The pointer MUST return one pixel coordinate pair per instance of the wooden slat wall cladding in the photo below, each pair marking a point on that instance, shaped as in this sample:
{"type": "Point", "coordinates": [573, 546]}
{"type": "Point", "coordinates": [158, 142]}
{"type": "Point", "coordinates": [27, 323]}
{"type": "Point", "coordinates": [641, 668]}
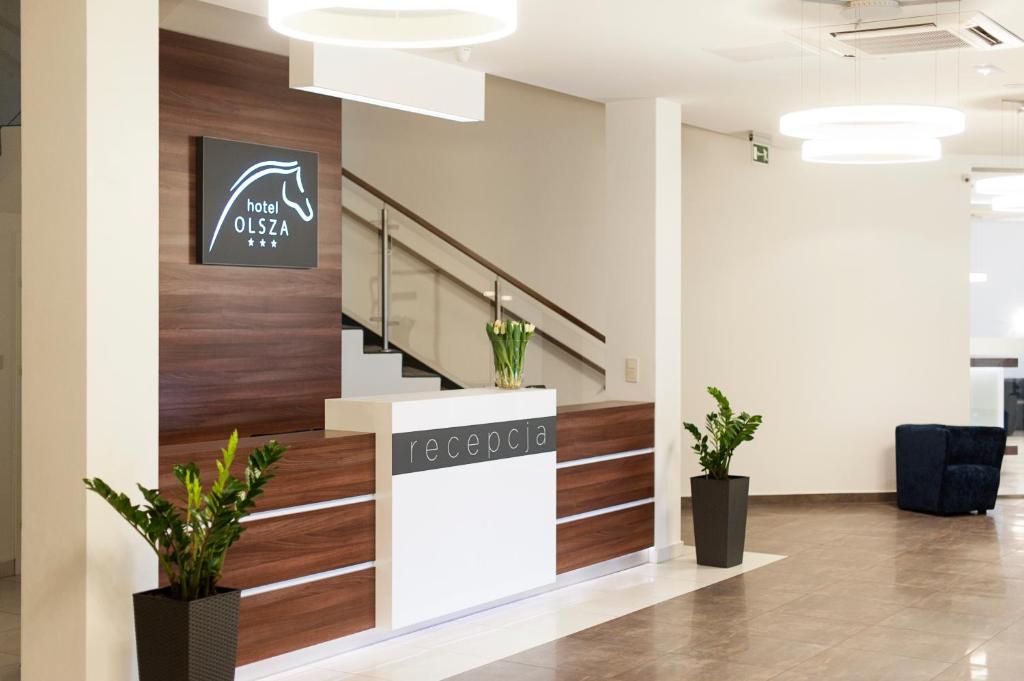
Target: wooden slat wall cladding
{"type": "Point", "coordinates": [603, 537]}
{"type": "Point", "coordinates": [278, 549]}
{"type": "Point", "coordinates": [593, 430]}
{"type": "Point", "coordinates": [590, 487]}
{"type": "Point", "coordinates": [588, 430]}
{"type": "Point", "coordinates": [318, 466]}
{"type": "Point", "coordinates": [252, 348]}
{"type": "Point", "coordinates": [281, 621]}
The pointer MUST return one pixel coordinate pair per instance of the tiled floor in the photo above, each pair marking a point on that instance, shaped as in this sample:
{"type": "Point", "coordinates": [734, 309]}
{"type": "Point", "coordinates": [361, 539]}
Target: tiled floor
{"type": "Point", "coordinates": [868, 593]}
{"type": "Point", "coordinates": [484, 638]}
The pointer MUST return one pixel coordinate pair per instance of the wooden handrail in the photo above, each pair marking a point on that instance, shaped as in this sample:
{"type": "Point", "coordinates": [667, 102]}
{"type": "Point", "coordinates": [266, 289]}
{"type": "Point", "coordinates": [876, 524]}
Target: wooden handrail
{"type": "Point", "coordinates": [471, 254]}
{"type": "Point", "coordinates": [578, 356]}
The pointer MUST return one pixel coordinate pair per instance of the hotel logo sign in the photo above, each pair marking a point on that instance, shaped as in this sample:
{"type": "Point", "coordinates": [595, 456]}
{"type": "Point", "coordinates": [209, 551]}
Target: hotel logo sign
{"type": "Point", "coordinates": [258, 205]}
{"type": "Point", "coordinates": [427, 450]}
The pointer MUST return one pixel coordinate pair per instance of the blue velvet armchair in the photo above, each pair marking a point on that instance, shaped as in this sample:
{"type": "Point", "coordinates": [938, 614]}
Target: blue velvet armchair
{"type": "Point", "coordinates": [948, 469]}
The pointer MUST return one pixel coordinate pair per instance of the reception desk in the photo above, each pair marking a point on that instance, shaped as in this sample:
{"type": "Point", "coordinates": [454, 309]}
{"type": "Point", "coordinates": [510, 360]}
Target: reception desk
{"type": "Point", "coordinates": [465, 497]}
{"type": "Point", "coordinates": [410, 510]}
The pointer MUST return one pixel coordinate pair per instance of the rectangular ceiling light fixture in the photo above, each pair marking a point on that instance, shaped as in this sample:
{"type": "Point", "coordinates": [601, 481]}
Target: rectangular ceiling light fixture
{"type": "Point", "coordinates": [389, 78]}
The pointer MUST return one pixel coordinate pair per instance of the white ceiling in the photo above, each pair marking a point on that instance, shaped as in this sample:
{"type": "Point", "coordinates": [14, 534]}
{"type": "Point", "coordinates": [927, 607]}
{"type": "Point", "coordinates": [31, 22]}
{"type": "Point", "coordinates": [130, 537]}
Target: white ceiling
{"type": "Point", "coordinates": [619, 49]}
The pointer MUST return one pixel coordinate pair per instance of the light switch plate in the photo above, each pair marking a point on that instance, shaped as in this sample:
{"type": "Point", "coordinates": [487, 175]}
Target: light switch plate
{"type": "Point", "coordinates": [632, 370]}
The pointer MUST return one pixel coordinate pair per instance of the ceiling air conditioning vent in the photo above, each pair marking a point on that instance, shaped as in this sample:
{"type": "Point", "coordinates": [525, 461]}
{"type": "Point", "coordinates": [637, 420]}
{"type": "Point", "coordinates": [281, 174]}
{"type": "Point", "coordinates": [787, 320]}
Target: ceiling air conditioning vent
{"type": "Point", "coordinates": [933, 33]}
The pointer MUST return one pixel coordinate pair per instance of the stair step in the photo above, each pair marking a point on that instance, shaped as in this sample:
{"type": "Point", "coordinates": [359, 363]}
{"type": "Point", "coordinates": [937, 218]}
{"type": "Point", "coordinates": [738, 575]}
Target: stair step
{"type": "Point", "coordinates": [372, 349]}
{"type": "Point", "coordinates": [413, 372]}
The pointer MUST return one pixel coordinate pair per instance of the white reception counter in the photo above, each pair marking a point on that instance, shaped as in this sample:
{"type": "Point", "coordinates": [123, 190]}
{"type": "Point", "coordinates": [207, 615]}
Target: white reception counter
{"type": "Point", "coordinates": [465, 497]}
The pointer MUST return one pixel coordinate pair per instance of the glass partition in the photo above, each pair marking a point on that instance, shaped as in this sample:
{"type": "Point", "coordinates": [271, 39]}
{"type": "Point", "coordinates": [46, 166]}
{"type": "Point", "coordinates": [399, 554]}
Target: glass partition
{"type": "Point", "coordinates": [429, 296]}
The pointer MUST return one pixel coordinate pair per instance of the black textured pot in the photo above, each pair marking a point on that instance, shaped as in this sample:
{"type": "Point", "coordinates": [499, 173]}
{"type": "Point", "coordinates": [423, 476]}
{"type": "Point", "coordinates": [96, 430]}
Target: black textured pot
{"type": "Point", "coordinates": [720, 519]}
{"type": "Point", "coordinates": [186, 640]}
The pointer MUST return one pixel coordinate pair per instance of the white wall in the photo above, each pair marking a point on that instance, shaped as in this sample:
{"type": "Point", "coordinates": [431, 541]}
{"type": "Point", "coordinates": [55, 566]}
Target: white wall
{"type": "Point", "coordinates": [832, 300]}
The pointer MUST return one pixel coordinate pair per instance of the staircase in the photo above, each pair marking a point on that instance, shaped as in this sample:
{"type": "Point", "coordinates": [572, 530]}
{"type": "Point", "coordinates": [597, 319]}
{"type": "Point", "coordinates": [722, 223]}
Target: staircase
{"type": "Point", "coordinates": [411, 287]}
{"type": "Point", "coordinates": [368, 369]}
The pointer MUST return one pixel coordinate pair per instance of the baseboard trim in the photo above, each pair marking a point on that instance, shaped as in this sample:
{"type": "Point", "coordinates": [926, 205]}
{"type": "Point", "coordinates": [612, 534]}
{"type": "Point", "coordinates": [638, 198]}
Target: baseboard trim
{"type": "Point", "coordinates": [832, 497]}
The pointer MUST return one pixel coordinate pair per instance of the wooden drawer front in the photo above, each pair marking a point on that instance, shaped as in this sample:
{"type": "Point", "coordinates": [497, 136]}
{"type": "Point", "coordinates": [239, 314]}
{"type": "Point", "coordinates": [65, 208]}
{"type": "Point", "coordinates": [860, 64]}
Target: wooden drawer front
{"type": "Point", "coordinates": [321, 466]}
{"type": "Point", "coordinates": [593, 486]}
{"type": "Point", "coordinates": [281, 621]}
{"type": "Point", "coordinates": [583, 432]}
{"type": "Point", "coordinates": [603, 537]}
{"type": "Point", "coordinates": [291, 546]}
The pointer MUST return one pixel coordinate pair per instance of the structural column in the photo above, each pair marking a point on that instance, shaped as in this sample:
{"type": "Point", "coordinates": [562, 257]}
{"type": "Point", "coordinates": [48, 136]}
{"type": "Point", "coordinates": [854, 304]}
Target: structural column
{"type": "Point", "coordinates": [644, 235]}
{"type": "Point", "coordinates": [90, 326]}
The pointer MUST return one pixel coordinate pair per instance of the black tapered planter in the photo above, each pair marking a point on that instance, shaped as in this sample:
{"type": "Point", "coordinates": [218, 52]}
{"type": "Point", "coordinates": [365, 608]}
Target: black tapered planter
{"type": "Point", "coordinates": [186, 640]}
{"type": "Point", "coordinates": [720, 519]}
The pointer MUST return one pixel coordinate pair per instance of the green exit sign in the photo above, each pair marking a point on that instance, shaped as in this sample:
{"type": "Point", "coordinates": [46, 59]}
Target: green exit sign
{"type": "Point", "coordinates": [762, 153]}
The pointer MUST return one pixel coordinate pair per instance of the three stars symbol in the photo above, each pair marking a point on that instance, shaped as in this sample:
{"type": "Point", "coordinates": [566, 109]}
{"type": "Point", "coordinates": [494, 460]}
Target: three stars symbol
{"type": "Point", "coordinates": [263, 243]}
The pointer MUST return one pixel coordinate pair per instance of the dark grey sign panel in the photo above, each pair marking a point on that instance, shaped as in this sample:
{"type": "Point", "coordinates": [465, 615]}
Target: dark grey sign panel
{"type": "Point", "coordinates": [427, 450]}
{"type": "Point", "coordinates": [257, 205]}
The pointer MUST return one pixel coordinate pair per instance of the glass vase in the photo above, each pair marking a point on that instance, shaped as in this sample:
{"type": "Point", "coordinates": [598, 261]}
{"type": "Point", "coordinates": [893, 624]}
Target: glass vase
{"type": "Point", "coordinates": [508, 379]}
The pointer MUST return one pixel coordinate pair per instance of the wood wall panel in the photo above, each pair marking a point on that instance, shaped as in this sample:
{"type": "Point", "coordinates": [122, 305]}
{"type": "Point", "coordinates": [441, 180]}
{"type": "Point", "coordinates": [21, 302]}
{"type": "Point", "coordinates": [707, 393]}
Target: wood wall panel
{"type": "Point", "coordinates": [278, 549]}
{"type": "Point", "coordinates": [318, 466]}
{"type": "Point", "coordinates": [588, 430]}
{"type": "Point", "coordinates": [603, 537]}
{"type": "Point", "coordinates": [593, 486]}
{"type": "Point", "coordinates": [280, 621]}
{"type": "Point", "coordinates": [257, 349]}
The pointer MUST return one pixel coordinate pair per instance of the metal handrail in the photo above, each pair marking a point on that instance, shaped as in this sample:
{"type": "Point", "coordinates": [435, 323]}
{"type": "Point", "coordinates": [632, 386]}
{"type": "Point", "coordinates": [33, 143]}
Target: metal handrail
{"type": "Point", "coordinates": [473, 255]}
{"type": "Point", "coordinates": [395, 241]}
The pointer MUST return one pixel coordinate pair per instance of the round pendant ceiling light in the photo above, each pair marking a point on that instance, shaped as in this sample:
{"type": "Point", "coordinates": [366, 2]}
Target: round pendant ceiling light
{"type": "Point", "coordinates": [395, 24]}
{"type": "Point", "coordinates": [872, 151]}
{"type": "Point", "coordinates": [874, 121]}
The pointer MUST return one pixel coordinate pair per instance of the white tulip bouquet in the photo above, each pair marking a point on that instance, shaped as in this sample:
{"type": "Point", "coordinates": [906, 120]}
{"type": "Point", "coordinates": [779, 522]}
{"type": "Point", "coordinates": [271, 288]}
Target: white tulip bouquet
{"type": "Point", "coordinates": [509, 340]}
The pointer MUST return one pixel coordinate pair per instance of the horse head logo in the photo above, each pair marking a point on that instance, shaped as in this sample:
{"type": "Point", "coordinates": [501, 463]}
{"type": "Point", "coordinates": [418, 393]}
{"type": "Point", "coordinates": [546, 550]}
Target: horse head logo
{"type": "Point", "coordinates": [292, 173]}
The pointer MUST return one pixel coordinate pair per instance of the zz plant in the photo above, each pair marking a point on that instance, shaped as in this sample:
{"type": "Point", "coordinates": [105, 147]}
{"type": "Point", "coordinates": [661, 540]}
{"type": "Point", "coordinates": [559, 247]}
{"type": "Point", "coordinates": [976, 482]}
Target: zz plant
{"type": "Point", "coordinates": [192, 542]}
{"type": "Point", "coordinates": [726, 431]}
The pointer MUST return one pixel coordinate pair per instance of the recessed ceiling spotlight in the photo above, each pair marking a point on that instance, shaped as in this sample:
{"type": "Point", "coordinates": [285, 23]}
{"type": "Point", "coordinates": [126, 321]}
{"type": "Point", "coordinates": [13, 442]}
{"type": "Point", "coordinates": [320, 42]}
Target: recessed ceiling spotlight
{"type": "Point", "coordinates": [978, 277]}
{"type": "Point", "coordinates": [987, 69]}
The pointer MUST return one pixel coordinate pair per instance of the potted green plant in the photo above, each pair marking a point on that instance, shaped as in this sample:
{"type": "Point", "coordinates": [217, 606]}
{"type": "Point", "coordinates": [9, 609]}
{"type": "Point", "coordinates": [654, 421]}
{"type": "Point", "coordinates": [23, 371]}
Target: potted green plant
{"type": "Point", "coordinates": [508, 342]}
{"type": "Point", "coordinates": [188, 631]}
{"type": "Point", "coordinates": [719, 499]}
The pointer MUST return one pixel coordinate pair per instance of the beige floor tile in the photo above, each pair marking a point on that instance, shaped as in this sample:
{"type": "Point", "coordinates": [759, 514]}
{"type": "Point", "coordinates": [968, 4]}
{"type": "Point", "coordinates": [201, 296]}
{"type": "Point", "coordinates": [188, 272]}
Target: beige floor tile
{"type": "Point", "coordinates": [602, 660]}
{"type": "Point", "coordinates": [511, 671]}
{"type": "Point", "coordinates": [972, 604]}
{"type": "Point", "coordinates": [964, 671]}
{"type": "Point", "coordinates": [918, 644]}
{"type": "Point", "coordinates": [1001, 655]}
{"type": "Point", "coordinates": [878, 591]}
{"type": "Point", "coordinates": [844, 608]}
{"type": "Point", "coordinates": [844, 664]}
{"type": "Point", "coordinates": [686, 668]}
{"type": "Point", "coordinates": [756, 650]}
{"type": "Point", "coordinates": [803, 628]}
{"type": "Point", "coordinates": [950, 623]}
